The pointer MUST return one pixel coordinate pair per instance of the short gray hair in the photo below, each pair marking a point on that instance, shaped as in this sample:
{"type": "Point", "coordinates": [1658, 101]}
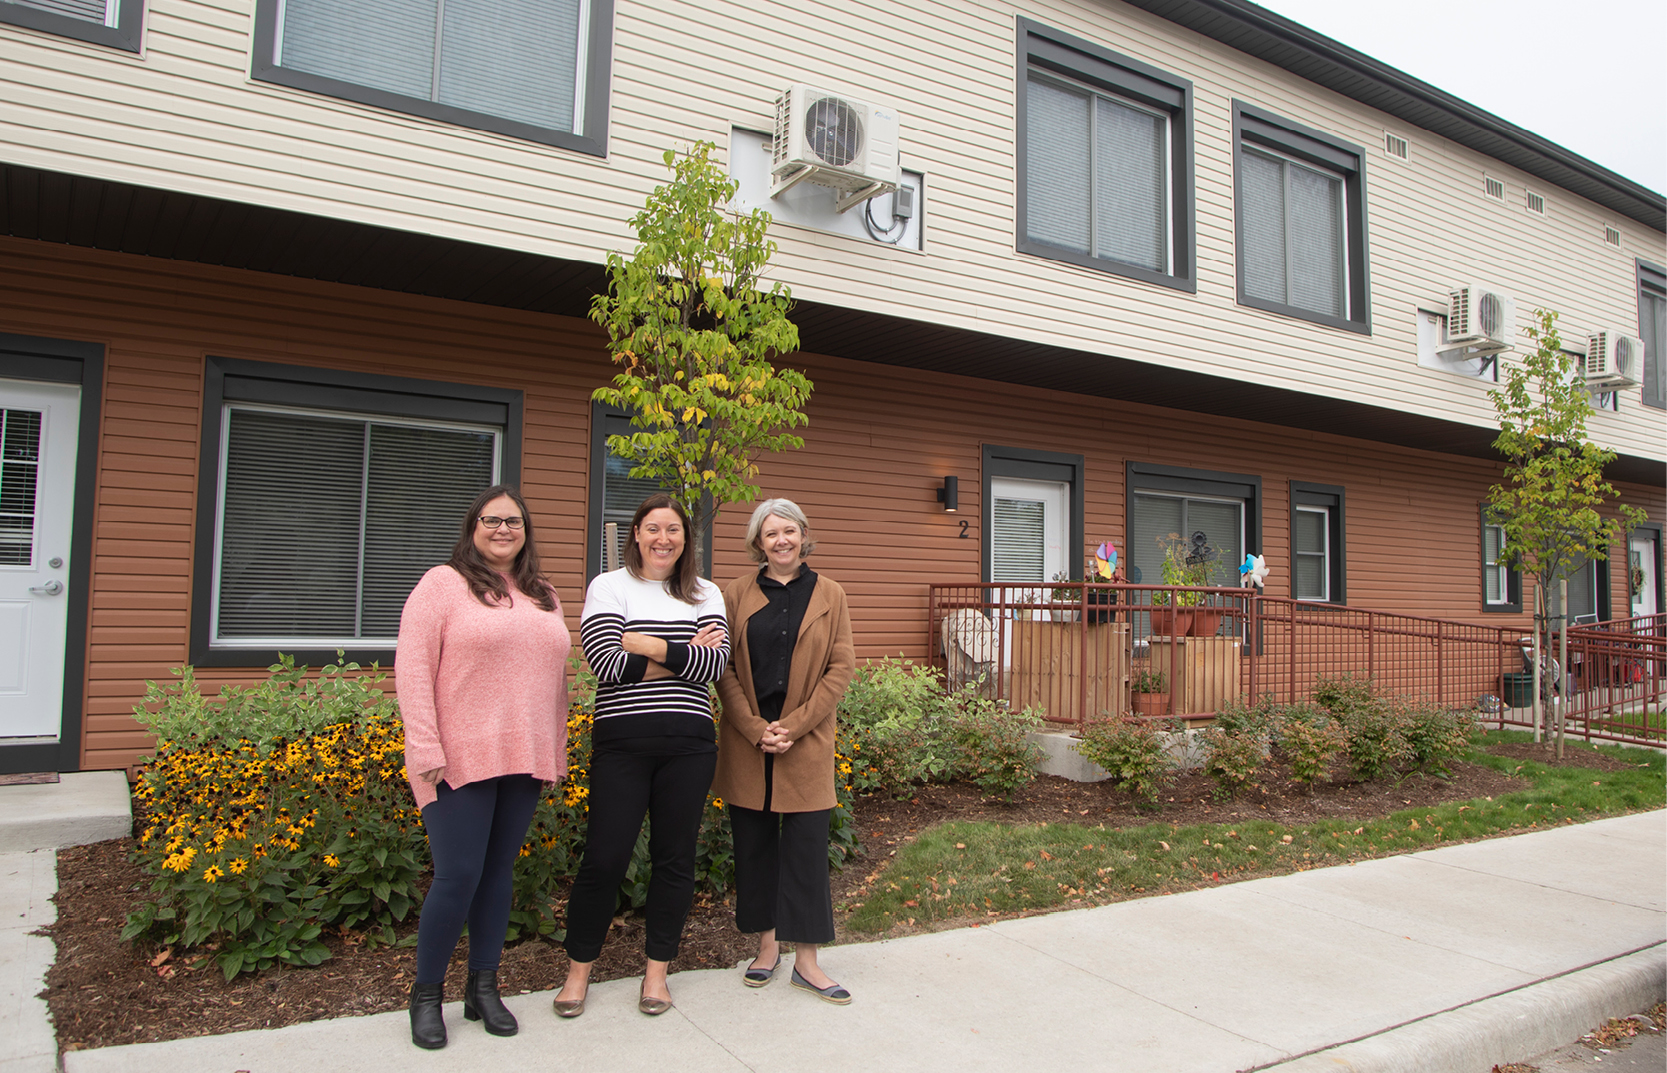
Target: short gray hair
{"type": "Point", "coordinates": [787, 510]}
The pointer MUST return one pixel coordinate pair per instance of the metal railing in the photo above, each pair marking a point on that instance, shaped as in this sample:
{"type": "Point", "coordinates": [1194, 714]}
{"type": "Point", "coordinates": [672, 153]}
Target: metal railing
{"type": "Point", "coordinates": [1080, 651]}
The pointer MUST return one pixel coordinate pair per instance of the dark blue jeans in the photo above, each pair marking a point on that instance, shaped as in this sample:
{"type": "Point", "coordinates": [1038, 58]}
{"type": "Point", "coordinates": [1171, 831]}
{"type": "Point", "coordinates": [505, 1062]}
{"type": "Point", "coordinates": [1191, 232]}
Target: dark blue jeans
{"type": "Point", "coordinates": [474, 834]}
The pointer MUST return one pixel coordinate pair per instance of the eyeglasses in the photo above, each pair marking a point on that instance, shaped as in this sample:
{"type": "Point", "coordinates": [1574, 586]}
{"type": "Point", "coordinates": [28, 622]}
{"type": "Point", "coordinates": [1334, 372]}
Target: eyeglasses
{"type": "Point", "coordinates": [492, 522]}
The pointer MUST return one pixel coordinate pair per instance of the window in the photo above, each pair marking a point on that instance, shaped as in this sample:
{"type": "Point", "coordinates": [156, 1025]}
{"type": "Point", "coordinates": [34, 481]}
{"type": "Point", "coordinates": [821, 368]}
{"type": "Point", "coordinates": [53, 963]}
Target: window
{"type": "Point", "coordinates": [1300, 213]}
{"type": "Point", "coordinates": [1105, 150]}
{"type": "Point", "coordinates": [326, 497]}
{"type": "Point", "coordinates": [102, 22]}
{"type": "Point", "coordinates": [1032, 514]}
{"type": "Point", "coordinates": [1652, 329]}
{"type": "Point", "coordinates": [1588, 593]}
{"type": "Point", "coordinates": [615, 495]}
{"type": "Point", "coordinates": [1501, 585]}
{"type": "Point", "coordinates": [1317, 561]}
{"type": "Point", "coordinates": [1223, 508]}
{"type": "Point", "coordinates": [533, 69]}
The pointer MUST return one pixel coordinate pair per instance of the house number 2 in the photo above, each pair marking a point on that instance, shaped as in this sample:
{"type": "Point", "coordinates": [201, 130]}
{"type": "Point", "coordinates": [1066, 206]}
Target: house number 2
{"type": "Point", "coordinates": [963, 528]}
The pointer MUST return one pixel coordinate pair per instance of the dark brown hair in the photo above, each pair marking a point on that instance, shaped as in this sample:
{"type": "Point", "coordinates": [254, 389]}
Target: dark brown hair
{"type": "Point", "coordinates": [684, 581]}
{"type": "Point", "coordinates": [467, 560]}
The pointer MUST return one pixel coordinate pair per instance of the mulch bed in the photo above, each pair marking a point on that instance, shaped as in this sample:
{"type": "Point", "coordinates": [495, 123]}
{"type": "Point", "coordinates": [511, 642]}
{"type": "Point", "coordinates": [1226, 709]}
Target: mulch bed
{"type": "Point", "coordinates": [103, 991]}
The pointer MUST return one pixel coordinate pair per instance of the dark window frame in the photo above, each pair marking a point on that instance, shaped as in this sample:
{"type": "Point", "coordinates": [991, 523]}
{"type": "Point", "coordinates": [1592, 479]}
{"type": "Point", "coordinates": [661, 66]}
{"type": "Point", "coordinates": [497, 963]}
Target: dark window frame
{"type": "Point", "coordinates": [592, 139]}
{"type": "Point", "coordinates": [126, 35]}
{"type": "Point", "coordinates": [1023, 463]}
{"type": "Point", "coordinates": [1268, 131]}
{"type": "Point", "coordinates": [1513, 575]}
{"type": "Point", "coordinates": [1217, 484]}
{"type": "Point", "coordinates": [236, 379]}
{"type": "Point", "coordinates": [1331, 498]}
{"type": "Point", "coordinates": [1120, 76]}
{"type": "Point", "coordinates": [600, 412]}
{"type": "Point", "coordinates": [64, 361]}
{"type": "Point", "coordinates": [1652, 280]}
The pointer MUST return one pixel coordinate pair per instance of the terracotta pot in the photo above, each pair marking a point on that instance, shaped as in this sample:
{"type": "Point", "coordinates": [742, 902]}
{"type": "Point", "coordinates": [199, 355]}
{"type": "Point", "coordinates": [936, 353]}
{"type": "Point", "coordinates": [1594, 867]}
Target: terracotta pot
{"type": "Point", "coordinates": [1171, 622]}
{"type": "Point", "coordinates": [1207, 620]}
{"type": "Point", "coordinates": [1150, 704]}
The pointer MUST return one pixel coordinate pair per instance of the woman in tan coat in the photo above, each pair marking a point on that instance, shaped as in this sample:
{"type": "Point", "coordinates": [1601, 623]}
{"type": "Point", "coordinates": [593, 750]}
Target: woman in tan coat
{"type": "Point", "coordinates": [791, 659]}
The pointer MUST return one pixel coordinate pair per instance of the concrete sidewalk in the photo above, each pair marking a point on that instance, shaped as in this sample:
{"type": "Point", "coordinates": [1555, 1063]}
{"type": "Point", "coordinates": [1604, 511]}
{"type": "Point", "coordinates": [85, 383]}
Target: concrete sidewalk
{"type": "Point", "coordinates": [1452, 959]}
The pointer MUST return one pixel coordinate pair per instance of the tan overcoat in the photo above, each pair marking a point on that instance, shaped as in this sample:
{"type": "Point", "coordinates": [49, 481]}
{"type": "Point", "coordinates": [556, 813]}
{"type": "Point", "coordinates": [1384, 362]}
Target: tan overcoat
{"type": "Point", "coordinates": [823, 661]}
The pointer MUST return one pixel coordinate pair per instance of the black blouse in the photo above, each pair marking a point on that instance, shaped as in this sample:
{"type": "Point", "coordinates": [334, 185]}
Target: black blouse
{"type": "Point", "coordinates": [772, 631]}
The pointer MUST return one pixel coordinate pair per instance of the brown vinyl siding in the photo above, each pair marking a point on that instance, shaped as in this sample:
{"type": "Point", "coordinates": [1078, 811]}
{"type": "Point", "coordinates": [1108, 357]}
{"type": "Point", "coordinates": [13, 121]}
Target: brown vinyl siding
{"type": "Point", "coordinates": [880, 441]}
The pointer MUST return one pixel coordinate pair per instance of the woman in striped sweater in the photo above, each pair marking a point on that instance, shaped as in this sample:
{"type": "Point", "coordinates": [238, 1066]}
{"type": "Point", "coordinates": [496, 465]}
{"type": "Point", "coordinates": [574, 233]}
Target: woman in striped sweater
{"type": "Point", "coordinates": [654, 636]}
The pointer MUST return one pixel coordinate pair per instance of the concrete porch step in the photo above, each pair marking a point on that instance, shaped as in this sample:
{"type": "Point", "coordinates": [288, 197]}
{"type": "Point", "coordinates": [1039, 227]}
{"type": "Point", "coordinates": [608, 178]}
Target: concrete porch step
{"type": "Point", "coordinates": [82, 807]}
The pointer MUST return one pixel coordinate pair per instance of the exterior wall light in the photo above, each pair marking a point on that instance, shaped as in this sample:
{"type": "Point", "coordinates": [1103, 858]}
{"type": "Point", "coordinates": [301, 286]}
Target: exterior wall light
{"type": "Point", "coordinates": [949, 494]}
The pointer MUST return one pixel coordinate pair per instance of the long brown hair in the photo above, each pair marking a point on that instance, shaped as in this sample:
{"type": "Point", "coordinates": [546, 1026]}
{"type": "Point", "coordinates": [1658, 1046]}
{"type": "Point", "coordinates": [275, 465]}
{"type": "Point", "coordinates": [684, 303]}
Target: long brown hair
{"type": "Point", "coordinates": [684, 581]}
{"type": "Point", "coordinates": [467, 560]}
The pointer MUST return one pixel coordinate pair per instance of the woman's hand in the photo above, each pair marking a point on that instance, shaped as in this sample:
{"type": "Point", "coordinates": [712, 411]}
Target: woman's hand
{"type": "Point", "coordinates": [710, 635]}
{"type": "Point", "coordinates": [775, 740]}
{"type": "Point", "coordinates": [642, 644]}
{"type": "Point", "coordinates": [434, 776]}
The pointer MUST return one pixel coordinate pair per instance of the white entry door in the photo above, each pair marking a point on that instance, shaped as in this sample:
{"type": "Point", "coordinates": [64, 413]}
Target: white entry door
{"type": "Point", "coordinates": [1643, 560]}
{"type": "Point", "coordinates": [1029, 525]}
{"type": "Point", "coordinates": [37, 490]}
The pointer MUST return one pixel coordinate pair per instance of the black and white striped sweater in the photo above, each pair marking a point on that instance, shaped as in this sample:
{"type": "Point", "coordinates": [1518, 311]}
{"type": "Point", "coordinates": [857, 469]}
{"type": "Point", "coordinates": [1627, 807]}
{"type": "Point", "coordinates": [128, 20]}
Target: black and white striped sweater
{"type": "Point", "coordinates": [626, 705]}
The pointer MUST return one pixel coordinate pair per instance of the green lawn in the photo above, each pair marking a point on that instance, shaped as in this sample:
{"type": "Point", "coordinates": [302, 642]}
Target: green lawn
{"type": "Point", "coordinates": [974, 871]}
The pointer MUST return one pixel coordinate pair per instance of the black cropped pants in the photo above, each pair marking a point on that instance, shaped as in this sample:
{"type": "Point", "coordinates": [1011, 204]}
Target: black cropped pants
{"type": "Point", "coordinates": [625, 787]}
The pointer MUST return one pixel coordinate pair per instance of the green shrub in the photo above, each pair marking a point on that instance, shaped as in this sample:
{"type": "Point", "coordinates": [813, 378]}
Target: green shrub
{"type": "Point", "coordinates": [1309, 740]}
{"type": "Point", "coordinates": [1133, 752]}
{"type": "Point", "coordinates": [1341, 695]}
{"type": "Point", "coordinates": [1259, 718]}
{"type": "Point", "coordinates": [991, 744]}
{"type": "Point", "coordinates": [1376, 738]}
{"type": "Point", "coordinates": [1233, 759]}
{"type": "Point", "coordinates": [892, 722]}
{"type": "Point", "coordinates": [1437, 736]}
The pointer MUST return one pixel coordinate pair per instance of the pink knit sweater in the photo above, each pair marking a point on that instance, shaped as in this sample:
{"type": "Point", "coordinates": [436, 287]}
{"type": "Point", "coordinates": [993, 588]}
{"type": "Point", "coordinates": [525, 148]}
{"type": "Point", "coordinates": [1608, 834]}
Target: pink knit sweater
{"type": "Point", "coordinates": [483, 690]}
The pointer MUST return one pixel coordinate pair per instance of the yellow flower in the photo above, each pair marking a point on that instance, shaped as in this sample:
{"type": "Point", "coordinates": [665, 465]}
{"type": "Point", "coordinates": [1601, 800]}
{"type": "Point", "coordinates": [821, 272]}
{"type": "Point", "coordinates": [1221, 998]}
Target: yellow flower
{"type": "Point", "coordinates": [212, 873]}
{"type": "Point", "coordinates": [332, 860]}
{"type": "Point", "coordinates": [238, 866]}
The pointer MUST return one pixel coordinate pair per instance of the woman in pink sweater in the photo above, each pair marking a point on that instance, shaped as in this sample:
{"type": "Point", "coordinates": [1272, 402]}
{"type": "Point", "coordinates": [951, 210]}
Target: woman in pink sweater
{"type": "Point", "coordinates": [482, 680]}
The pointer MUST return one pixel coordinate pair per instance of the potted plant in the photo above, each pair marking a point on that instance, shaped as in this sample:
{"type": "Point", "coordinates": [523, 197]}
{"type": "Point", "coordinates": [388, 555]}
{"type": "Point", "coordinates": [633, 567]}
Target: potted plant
{"type": "Point", "coordinates": [1191, 565]}
{"type": "Point", "coordinates": [1149, 693]}
{"type": "Point", "coordinates": [1067, 596]}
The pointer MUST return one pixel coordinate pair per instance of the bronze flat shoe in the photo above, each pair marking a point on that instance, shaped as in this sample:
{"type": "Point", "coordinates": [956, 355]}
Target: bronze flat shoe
{"type": "Point", "coordinates": [654, 1007]}
{"type": "Point", "coordinates": [569, 1007]}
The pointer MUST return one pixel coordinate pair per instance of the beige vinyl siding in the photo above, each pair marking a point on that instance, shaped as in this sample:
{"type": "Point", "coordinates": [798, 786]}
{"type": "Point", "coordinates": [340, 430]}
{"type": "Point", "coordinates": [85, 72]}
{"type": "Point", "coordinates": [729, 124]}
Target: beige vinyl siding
{"type": "Point", "coordinates": [185, 116]}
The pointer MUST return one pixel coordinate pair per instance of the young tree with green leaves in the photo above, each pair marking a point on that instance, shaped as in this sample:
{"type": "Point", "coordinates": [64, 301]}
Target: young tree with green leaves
{"type": "Point", "coordinates": [689, 318]}
{"type": "Point", "coordinates": [1550, 503]}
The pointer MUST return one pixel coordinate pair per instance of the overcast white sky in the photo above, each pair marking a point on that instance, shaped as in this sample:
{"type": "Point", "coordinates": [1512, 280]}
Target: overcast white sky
{"type": "Point", "coordinates": [1586, 74]}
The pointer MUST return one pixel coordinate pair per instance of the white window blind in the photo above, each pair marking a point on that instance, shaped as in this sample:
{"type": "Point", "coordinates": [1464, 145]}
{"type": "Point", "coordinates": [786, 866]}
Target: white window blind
{"type": "Point", "coordinates": [515, 59]}
{"type": "Point", "coordinates": [328, 521]}
{"type": "Point", "coordinates": [20, 456]}
{"type": "Point", "coordinates": [101, 12]}
{"type": "Point", "coordinates": [622, 493]}
{"type": "Point", "coordinates": [1310, 565]}
{"type": "Point", "coordinates": [1291, 223]}
{"type": "Point", "coordinates": [1096, 175]}
{"type": "Point", "coordinates": [1495, 574]}
{"type": "Point", "coordinates": [1017, 540]}
{"type": "Point", "coordinates": [1652, 328]}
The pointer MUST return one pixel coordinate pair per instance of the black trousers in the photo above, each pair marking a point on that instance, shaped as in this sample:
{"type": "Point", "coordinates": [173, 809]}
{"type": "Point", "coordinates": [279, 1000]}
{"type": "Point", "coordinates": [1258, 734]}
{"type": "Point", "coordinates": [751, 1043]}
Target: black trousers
{"type": "Point", "coordinates": [781, 870]}
{"type": "Point", "coordinates": [474, 834]}
{"type": "Point", "coordinates": [624, 787]}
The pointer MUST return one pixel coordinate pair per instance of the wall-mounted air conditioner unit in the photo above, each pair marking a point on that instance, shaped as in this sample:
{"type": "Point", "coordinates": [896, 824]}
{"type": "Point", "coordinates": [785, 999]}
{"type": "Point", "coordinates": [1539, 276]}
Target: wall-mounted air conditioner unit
{"type": "Point", "coordinates": [1613, 360]}
{"type": "Point", "coordinates": [1481, 319]}
{"type": "Point", "coordinates": [832, 140]}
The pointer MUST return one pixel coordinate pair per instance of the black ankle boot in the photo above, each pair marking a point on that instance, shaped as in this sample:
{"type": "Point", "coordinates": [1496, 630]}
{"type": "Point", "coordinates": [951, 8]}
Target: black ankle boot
{"type": "Point", "coordinates": [428, 1028]}
{"type": "Point", "coordinates": [481, 1003]}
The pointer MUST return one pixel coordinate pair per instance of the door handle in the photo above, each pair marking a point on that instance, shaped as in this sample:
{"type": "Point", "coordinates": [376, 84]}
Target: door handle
{"type": "Point", "coordinates": [51, 588]}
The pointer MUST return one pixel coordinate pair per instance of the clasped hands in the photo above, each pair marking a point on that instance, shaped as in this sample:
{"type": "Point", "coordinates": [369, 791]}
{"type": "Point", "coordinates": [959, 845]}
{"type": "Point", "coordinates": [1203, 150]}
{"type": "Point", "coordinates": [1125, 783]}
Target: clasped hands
{"type": "Point", "coordinates": [775, 740]}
